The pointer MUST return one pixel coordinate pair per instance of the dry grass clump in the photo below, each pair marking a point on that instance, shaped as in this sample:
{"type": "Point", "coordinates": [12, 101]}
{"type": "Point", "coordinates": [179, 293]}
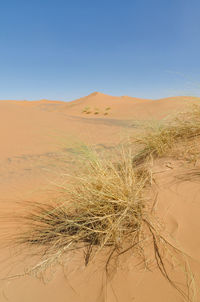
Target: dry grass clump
{"type": "Point", "coordinates": [104, 206]}
{"type": "Point", "coordinates": [161, 141]}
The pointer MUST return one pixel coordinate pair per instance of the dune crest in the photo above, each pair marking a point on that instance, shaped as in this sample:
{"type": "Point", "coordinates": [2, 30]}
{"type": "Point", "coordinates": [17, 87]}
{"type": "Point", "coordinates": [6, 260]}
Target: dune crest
{"type": "Point", "coordinates": [98, 105]}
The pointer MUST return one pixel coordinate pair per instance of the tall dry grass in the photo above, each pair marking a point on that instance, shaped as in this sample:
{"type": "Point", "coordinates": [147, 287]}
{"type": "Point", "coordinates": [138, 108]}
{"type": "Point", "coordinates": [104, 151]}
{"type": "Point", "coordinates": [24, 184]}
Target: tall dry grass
{"type": "Point", "coordinates": [105, 206]}
{"type": "Point", "coordinates": [102, 206]}
{"type": "Point", "coordinates": [161, 141]}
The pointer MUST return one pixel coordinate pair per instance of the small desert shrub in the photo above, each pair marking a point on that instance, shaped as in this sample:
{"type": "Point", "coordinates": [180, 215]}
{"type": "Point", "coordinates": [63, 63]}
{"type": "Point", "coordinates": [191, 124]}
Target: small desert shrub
{"type": "Point", "coordinates": [104, 206]}
{"type": "Point", "coordinates": [96, 111]}
{"type": "Point", "coordinates": [107, 206]}
{"type": "Point", "coordinates": [86, 110]}
{"type": "Point", "coordinates": [161, 141]}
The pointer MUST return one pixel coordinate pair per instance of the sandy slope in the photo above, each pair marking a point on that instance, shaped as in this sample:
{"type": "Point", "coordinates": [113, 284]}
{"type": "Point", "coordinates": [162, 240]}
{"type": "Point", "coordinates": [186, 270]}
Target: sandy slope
{"type": "Point", "coordinates": [126, 107]}
{"type": "Point", "coordinates": [33, 137]}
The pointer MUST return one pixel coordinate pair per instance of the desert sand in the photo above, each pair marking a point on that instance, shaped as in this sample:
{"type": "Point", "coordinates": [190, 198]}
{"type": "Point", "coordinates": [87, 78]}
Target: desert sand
{"type": "Point", "coordinates": [34, 136]}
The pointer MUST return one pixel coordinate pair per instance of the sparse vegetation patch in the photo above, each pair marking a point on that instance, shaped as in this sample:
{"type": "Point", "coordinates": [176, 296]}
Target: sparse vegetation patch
{"type": "Point", "coordinates": [167, 138]}
{"type": "Point", "coordinates": [106, 204]}
{"type": "Point", "coordinates": [102, 208]}
{"type": "Point", "coordinates": [96, 111]}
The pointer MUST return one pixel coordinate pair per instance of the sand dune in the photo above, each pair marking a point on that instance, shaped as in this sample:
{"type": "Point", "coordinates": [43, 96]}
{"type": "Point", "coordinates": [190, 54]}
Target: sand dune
{"type": "Point", "coordinates": [123, 107]}
{"type": "Point", "coordinates": [127, 107]}
{"type": "Point", "coordinates": [28, 126]}
{"type": "Point", "coordinates": [34, 135]}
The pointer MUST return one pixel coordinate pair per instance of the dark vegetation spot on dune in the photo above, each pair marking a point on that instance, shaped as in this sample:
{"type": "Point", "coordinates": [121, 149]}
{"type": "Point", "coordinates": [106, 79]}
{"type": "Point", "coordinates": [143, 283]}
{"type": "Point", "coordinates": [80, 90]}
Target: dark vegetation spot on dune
{"type": "Point", "coordinates": [96, 111]}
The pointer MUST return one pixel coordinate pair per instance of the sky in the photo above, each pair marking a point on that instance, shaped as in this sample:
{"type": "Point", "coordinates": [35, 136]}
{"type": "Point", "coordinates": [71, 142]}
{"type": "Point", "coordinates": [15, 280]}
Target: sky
{"type": "Point", "coordinates": [66, 49]}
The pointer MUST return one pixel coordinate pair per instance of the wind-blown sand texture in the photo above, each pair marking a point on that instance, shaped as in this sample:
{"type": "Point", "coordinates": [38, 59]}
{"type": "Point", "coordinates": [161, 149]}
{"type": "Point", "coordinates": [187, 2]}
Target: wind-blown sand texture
{"type": "Point", "coordinates": [38, 142]}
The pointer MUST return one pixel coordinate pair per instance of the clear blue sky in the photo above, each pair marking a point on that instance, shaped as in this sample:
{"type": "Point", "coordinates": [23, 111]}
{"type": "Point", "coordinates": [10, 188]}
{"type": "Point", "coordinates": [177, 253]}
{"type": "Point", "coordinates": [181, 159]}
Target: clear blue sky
{"type": "Point", "coordinates": [65, 49]}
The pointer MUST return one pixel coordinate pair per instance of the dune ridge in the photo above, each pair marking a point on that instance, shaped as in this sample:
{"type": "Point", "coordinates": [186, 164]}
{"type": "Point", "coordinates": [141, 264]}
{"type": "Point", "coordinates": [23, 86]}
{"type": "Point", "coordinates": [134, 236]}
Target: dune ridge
{"type": "Point", "coordinates": [129, 106]}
